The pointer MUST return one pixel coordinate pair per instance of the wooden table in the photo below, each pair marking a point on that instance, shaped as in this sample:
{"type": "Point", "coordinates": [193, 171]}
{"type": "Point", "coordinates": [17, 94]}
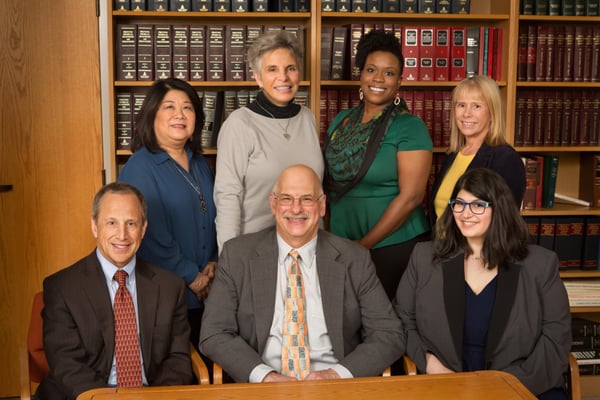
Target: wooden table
{"type": "Point", "coordinates": [490, 385]}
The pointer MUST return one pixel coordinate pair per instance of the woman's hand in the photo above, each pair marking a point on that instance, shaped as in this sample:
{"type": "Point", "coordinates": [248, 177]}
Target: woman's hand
{"type": "Point", "coordinates": [435, 366]}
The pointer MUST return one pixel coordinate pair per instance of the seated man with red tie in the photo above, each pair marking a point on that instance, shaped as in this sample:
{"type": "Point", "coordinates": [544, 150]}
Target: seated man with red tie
{"type": "Point", "coordinates": [294, 302]}
{"type": "Point", "coordinates": [111, 319]}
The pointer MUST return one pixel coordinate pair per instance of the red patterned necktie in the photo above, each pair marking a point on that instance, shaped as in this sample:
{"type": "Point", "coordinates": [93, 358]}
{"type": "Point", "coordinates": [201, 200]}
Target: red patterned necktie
{"type": "Point", "coordinates": [127, 347]}
{"type": "Point", "coordinates": [295, 354]}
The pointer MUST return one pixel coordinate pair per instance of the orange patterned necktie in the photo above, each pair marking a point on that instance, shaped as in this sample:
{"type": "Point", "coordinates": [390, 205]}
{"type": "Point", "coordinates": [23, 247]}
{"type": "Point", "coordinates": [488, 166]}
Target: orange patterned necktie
{"type": "Point", "coordinates": [295, 354]}
{"type": "Point", "coordinates": [127, 347]}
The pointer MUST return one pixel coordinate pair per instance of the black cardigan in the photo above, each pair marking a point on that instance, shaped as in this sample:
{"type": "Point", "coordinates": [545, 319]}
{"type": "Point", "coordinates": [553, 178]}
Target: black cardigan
{"type": "Point", "coordinates": [502, 159]}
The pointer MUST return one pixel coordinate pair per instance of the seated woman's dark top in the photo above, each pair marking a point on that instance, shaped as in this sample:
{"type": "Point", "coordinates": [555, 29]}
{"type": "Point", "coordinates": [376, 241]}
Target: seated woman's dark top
{"type": "Point", "coordinates": [478, 312]}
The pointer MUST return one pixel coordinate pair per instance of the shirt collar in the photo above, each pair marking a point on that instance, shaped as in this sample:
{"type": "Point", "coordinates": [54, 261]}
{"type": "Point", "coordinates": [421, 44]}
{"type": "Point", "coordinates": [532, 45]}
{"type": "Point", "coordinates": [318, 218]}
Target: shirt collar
{"type": "Point", "coordinates": [307, 252]}
{"type": "Point", "coordinates": [109, 269]}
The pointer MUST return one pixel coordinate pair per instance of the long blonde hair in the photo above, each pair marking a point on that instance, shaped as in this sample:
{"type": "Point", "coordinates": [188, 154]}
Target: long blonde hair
{"type": "Point", "coordinates": [487, 89]}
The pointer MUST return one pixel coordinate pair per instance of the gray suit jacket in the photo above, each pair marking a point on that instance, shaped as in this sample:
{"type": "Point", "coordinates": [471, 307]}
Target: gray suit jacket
{"type": "Point", "coordinates": [79, 328]}
{"type": "Point", "coordinates": [529, 334]}
{"type": "Point", "coordinates": [365, 333]}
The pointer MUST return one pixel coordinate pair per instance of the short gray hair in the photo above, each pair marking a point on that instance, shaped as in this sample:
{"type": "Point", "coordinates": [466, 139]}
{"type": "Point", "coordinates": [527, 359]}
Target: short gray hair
{"type": "Point", "coordinates": [273, 40]}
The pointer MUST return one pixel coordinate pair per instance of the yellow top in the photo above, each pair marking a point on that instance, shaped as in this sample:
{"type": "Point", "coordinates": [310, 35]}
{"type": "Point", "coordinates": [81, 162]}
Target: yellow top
{"type": "Point", "coordinates": [458, 167]}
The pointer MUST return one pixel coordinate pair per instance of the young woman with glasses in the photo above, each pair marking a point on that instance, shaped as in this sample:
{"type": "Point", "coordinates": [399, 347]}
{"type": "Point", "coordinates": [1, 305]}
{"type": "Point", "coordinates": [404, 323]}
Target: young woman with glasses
{"type": "Point", "coordinates": [479, 297]}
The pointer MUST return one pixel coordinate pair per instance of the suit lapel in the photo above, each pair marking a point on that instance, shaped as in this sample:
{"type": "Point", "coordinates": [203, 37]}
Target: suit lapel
{"type": "Point", "coordinates": [263, 275]}
{"type": "Point", "coordinates": [454, 299]}
{"type": "Point", "coordinates": [149, 291]}
{"type": "Point", "coordinates": [93, 285]}
{"type": "Point", "coordinates": [482, 157]}
{"type": "Point", "coordinates": [508, 279]}
{"type": "Point", "coordinates": [331, 273]}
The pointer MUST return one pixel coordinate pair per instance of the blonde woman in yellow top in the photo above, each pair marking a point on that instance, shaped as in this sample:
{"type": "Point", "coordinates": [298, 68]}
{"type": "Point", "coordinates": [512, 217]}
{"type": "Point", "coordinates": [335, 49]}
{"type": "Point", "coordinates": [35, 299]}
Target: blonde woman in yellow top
{"type": "Point", "coordinates": [477, 139]}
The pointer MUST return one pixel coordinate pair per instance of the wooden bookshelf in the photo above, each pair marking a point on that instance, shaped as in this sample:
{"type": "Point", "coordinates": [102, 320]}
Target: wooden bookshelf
{"type": "Point", "coordinates": [502, 14]}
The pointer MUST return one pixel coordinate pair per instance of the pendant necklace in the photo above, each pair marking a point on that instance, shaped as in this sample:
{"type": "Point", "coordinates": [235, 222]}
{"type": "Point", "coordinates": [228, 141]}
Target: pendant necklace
{"type": "Point", "coordinates": [195, 186]}
{"type": "Point", "coordinates": [285, 130]}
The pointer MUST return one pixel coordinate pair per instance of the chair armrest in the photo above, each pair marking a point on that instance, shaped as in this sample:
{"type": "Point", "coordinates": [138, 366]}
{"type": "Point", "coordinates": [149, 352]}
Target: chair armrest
{"type": "Point", "coordinates": [410, 368]}
{"type": "Point", "coordinates": [24, 373]}
{"type": "Point", "coordinates": [217, 374]}
{"type": "Point", "coordinates": [200, 369]}
{"type": "Point", "coordinates": [573, 379]}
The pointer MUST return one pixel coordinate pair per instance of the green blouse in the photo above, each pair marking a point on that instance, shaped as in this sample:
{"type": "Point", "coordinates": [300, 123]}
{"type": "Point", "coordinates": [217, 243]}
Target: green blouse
{"type": "Point", "coordinates": [358, 211]}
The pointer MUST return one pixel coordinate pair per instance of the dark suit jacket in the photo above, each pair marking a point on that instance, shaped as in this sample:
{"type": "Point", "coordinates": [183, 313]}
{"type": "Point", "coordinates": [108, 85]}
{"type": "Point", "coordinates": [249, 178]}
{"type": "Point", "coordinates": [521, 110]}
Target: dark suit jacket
{"type": "Point", "coordinates": [365, 333]}
{"type": "Point", "coordinates": [529, 334]}
{"type": "Point", "coordinates": [79, 328]}
{"type": "Point", "coordinates": [502, 159]}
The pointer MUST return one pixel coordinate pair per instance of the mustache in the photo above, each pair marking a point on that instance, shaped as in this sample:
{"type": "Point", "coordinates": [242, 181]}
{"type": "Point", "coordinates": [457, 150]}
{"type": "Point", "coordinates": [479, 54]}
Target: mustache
{"type": "Point", "coordinates": [299, 215]}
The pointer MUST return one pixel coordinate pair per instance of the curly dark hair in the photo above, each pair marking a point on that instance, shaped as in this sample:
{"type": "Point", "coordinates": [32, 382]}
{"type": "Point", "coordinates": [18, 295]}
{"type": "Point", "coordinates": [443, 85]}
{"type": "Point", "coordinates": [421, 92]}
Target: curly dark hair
{"type": "Point", "coordinates": [143, 131]}
{"type": "Point", "coordinates": [507, 236]}
{"type": "Point", "coordinates": [378, 40]}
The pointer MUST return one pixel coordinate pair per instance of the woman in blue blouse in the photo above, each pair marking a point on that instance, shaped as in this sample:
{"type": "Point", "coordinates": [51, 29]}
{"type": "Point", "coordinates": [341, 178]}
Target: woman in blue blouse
{"type": "Point", "coordinates": [168, 168]}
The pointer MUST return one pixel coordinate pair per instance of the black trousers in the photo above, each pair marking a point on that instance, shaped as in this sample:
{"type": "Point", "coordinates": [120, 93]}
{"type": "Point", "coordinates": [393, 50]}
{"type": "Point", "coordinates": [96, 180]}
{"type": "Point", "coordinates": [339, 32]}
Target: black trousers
{"type": "Point", "coordinates": [391, 262]}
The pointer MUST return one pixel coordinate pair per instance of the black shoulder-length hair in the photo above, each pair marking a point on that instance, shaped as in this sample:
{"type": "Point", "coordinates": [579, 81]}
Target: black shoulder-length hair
{"type": "Point", "coordinates": [143, 132]}
{"type": "Point", "coordinates": [507, 236]}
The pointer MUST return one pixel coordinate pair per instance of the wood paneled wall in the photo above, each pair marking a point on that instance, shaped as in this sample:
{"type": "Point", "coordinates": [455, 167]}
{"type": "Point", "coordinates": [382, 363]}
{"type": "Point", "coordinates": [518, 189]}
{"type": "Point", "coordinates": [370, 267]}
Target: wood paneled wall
{"type": "Point", "coordinates": [50, 151]}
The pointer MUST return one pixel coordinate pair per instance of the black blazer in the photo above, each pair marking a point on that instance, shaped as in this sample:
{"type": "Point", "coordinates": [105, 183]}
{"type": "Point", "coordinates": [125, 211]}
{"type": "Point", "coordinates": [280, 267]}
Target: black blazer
{"type": "Point", "coordinates": [502, 159]}
{"type": "Point", "coordinates": [79, 328]}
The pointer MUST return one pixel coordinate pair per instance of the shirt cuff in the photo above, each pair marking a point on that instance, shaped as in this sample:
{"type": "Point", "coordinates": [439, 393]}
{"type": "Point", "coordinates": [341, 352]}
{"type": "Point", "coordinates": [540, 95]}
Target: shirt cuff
{"type": "Point", "coordinates": [342, 371]}
{"type": "Point", "coordinates": [257, 375]}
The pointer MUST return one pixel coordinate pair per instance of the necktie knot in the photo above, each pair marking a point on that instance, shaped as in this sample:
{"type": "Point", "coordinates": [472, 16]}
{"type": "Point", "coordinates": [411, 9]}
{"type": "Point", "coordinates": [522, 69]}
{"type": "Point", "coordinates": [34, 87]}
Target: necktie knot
{"type": "Point", "coordinates": [121, 277]}
{"type": "Point", "coordinates": [294, 266]}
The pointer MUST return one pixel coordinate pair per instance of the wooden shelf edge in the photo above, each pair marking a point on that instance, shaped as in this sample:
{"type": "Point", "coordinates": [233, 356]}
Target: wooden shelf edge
{"type": "Point", "coordinates": [208, 84]}
{"type": "Point", "coordinates": [584, 309]}
{"type": "Point", "coordinates": [208, 150]}
{"type": "Point", "coordinates": [416, 16]}
{"type": "Point", "coordinates": [214, 14]}
{"type": "Point", "coordinates": [557, 149]}
{"type": "Point", "coordinates": [582, 273]}
{"type": "Point", "coordinates": [561, 209]}
{"type": "Point", "coordinates": [559, 18]}
{"type": "Point", "coordinates": [554, 85]}
{"type": "Point", "coordinates": [405, 83]}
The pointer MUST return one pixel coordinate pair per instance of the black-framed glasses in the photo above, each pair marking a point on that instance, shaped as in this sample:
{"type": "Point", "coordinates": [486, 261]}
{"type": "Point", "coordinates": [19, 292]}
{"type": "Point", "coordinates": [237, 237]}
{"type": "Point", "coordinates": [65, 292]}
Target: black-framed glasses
{"type": "Point", "coordinates": [306, 201]}
{"type": "Point", "coordinates": [477, 207]}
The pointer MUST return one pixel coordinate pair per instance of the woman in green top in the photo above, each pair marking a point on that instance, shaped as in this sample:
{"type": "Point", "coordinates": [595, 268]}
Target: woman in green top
{"type": "Point", "coordinates": [378, 159]}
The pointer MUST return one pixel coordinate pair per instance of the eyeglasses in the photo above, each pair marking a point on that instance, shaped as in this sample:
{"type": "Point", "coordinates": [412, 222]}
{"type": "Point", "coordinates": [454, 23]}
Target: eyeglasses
{"type": "Point", "coordinates": [477, 207]}
{"type": "Point", "coordinates": [305, 201]}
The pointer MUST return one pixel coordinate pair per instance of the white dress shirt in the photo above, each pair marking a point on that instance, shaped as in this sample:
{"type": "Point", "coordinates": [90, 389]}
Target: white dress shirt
{"type": "Point", "coordinates": [321, 350]}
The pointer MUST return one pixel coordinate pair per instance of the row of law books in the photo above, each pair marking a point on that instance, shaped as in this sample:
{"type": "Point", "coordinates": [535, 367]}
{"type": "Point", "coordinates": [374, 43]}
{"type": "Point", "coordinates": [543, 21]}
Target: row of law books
{"type": "Point", "coordinates": [430, 53]}
{"type": "Point", "coordinates": [541, 174]}
{"type": "Point", "coordinates": [557, 117]}
{"type": "Point", "coordinates": [402, 6]}
{"type": "Point", "coordinates": [540, 181]}
{"type": "Point", "coordinates": [128, 104]}
{"type": "Point", "coordinates": [560, 7]}
{"type": "Point", "coordinates": [147, 52]}
{"type": "Point", "coordinates": [559, 53]}
{"type": "Point", "coordinates": [432, 106]}
{"type": "Point", "coordinates": [213, 5]}
{"type": "Point", "coordinates": [585, 345]}
{"type": "Point", "coordinates": [216, 105]}
{"type": "Point", "coordinates": [574, 239]}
